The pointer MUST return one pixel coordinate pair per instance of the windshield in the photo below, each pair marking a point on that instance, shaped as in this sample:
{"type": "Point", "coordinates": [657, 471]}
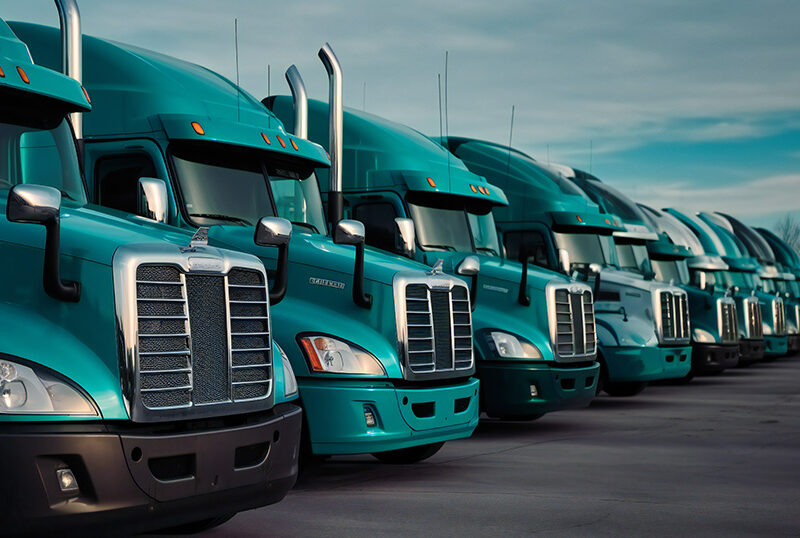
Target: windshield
{"type": "Point", "coordinates": [441, 229]}
{"type": "Point", "coordinates": [484, 233]}
{"type": "Point", "coordinates": [587, 248]}
{"type": "Point", "coordinates": [40, 156]}
{"type": "Point", "coordinates": [298, 201]}
{"type": "Point", "coordinates": [737, 278]}
{"type": "Point", "coordinates": [671, 271]}
{"type": "Point", "coordinates": [633, 258]}
{"type": "Point", "coordinates": [768, 285]}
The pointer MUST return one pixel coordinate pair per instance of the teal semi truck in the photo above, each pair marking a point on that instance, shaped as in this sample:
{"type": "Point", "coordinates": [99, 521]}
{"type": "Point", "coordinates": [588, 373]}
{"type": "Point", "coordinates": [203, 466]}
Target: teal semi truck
{"type": "Point", "coordinates": [789, 260]}
{"type": "Point", "coordinates": [714, 336]}
{"type": "Point", "coordinates": [118, 408]}
{"type": "Point", "coordinates": [534, 334]}
{"type": "Point", "coordinates": [218, 158]}
{"type": "Point", "coordinates": [742, 282]}
{"type": "Point", "coordinates": [716, 331]}
{"type": "Point", "coordinates": [643, 326]}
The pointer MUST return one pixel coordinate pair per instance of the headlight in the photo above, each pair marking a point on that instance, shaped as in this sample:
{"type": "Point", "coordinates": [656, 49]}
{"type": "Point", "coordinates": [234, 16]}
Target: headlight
{"type": "Point", "coordinates": [289, 380]}
{"type": "Point", "coordinates": [24, 390]}
{"type": "Point", "coordinates": [702, 336]}
{"type": "Point", "coordinates": [766, 328]}
{"type": "Point", "coordinates": [508, 346]}
{"type": "Point", "coordinates": [326, 354]}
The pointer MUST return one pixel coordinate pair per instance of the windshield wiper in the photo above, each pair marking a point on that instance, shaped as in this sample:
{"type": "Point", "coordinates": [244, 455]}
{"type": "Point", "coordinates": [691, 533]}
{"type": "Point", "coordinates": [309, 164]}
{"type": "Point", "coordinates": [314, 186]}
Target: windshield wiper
{"type": "Point", "coordinates": [487, 249]}
{"type": "Point", "coordinates": [67, 195]}
{"type": "Point", "coordinates": [442, 247]}
{"type": "Point", "coordinates": [215, 216]}
{"type": "Point", "coordinates": [305, 225]}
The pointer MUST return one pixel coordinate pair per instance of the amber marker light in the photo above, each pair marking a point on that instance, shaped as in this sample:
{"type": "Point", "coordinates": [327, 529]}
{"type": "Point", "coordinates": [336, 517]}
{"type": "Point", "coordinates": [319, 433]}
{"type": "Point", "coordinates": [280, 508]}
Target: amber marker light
{"type": "Point", "coordinates": [2, 73]}
{"type": "Point", "coordinates": [198, 128]}
{"type": "Point", "coordinates": [431, 182]}
{"type": "Point", "coordinates": [579, 218]}
{"type": "Point", "coordinates": [88, 99]}
{"type": "Point", "coordinates": [294, 145]}
{"type": "Point", "coordinates": [266, 139]}
{"type": "Point", "coordinates": [311, 353]}
{"type": "Point", "coordinates": [283, 144]}
{"type": "Point", "coordinates": [472, 188]}
{"type": "Point", "coordinates": [23, 75]}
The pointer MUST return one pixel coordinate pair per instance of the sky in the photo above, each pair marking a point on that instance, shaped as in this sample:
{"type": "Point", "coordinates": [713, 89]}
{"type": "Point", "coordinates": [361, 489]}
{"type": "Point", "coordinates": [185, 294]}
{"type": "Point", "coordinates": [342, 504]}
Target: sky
{"type": "Point", "coordinates": [681, 103]}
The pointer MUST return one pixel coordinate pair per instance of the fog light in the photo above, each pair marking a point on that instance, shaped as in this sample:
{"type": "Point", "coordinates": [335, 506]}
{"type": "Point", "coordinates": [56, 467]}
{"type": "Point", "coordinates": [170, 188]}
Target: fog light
{"type": "Point", "coordinates": [534, 391]}
{"type": "Point", "coordinates": [369, 418]}
{"type": "Point", "coordinates": [66, 480]}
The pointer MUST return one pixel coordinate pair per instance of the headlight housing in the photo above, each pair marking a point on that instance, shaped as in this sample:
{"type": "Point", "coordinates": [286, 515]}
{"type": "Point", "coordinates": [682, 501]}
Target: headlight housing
{"type": "Point", "coordinates": [289, 380]}
{"type": "Point", "coordinates": [31, 390]}
{"type": "Point", "coordinates": [766, 328]}
{"type": "Point", "coordinates": [330, 355]}
{"type": "Point", "coordinates": [702, 336]}
{"type": "Point", "coordinates": [509, 346]}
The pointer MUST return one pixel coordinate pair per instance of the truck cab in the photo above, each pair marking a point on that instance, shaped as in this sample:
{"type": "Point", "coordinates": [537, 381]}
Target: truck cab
{"type": "Point", "coordinates": [222, 161]}
{"type": "Point", "coordinates": [755, 307]}
{"type": "Point", "coordinates": [529, 360]}
{"type": "Point", "coordinates": [553, 224]}
{"type": "Point", "coordinates": [789, 260]}
{"type": "Point", "coordinates": [118, 404]}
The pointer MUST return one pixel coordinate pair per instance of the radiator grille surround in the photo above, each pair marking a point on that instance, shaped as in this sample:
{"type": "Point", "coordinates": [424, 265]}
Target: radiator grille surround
{"type": "Point", "coordinates": [195, 334]}
{"type": "Point", "coordinates": [754, 326]}
{"type": "Point", "coordinates": [671, 308]}
{"type": "Point", "coordinates": [778, 317]}
{"type": "Point", "coordinates": [570, 312]}
{"type": "Point", "coordinates": [727, 322]}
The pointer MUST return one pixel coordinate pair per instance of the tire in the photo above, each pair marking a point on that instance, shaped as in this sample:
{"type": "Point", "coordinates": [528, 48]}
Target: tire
{"type": "Point", "coordinates": [404, 456]}
{"type": "Point", "coordinates": [624, 389]}
{"type": "Point", "coordinates": [197, 526]}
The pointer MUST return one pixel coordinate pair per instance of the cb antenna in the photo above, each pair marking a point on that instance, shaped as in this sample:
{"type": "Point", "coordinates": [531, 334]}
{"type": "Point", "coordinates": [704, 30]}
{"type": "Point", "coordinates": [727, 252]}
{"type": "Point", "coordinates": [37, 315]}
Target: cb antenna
{"type": "Point", "coordinates": [510, 137]}
{"type": "Point", "coordinates": [364, 98]}
{"type": "Point", "coordinates": [269, 91]}
{"type": "Point", "coordinates": [441, 134]}
{"type": "Point", "coordinates": [590, 156]}
{"type": "Point", "coordinates": [446, 114]}
{"type": "Point", "coordinates": [236, 49]}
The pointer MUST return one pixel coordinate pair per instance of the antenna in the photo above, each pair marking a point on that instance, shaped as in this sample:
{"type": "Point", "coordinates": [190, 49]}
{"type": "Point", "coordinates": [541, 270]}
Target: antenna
{"type": "Point", "coordinates": [364, 98]}
{"type": "Point", "coordinates": [269, 80]}
{"type": "Point", "coordinates": [590, 156]}
{"type": "Point", "coordinates": [236, 48]}
{"type": "Point", "coordinates": [439, 76]}
{"type": "Point", "coordinates": [446, 114]}
{"type": "Point", "coordinates": [548, 154]}
{"type": "Point", "coordinates": [510, 136]}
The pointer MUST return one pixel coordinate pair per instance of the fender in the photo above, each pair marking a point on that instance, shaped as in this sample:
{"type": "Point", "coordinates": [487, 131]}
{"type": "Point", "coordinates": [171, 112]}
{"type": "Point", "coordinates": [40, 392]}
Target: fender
{"type": "Point", "coordinates": [606, 335]}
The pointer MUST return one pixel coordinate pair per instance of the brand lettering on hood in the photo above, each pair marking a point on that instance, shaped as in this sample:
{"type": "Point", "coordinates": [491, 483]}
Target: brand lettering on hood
{"type": "Point", "coordinates": [325, 282]}
{"type": "Point", "coordinates": [498, 289]}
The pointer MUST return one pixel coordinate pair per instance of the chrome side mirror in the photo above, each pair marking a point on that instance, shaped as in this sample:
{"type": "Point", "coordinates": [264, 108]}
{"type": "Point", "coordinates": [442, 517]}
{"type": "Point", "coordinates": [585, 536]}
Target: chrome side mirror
{"type": "Point", "coordinates": [38, 204]}
{"type": "Point", "coordinates": [563, 259]}
{"type": "Point", "coordinates": [595, 268]}
{"type": "Point", "coordinates": [405, 237]}
{"type": "Point", "coordinates": [273, 232]}
{"type": "Point", "coordinates": [349, 232]}
{"type": "Point", "coordinates": [276, 232]}
{"type": "Point", "coordinates": [469, 266]}
{"type": "Point", "coordinates": [153, 203]}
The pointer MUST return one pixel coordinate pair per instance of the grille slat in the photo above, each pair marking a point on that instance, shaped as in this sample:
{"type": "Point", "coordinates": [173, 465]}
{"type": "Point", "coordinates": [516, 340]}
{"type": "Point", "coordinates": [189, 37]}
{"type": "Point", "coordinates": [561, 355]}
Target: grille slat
{"type": "Point", "coordinates": [674, 320]}
{"type": "Point", "coordinates": [574, 326]}
{"type": "Point", "coordinates": [778, 317]}
{"type": "Point", "coordinates": [728, 324]}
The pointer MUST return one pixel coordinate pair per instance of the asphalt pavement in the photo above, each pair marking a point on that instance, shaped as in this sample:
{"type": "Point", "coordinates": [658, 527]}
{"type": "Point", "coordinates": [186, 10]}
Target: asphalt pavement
{"type": "Point", "coordinates": [717, 457]}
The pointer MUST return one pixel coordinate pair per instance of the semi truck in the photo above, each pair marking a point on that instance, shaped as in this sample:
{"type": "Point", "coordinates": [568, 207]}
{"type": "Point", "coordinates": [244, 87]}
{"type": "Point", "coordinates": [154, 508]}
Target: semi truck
{"type": "Point", "coordinates": [217, 158]}
{"type": "Point", "coordinates": [714, 337]}
{"type": "Point", "coordinates": [551, 223]}
{"type": "Point", "coordinates": [790, 262]}
{"type": "Point", "coordinates": [118, 408]}
{"type": "Point", "coordinates": [533, 329]}
{"type": "Point", "coordinates": [742, 282]}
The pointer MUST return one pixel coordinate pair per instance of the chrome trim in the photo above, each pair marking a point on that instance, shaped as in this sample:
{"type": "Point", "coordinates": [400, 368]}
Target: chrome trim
{"type": "Point", "coordinates": [335, 111]}
{"type": "Point", "coordinates": [153, 202]}
{"type": "Point", "coordinates": [300, 98]}
{"type": "Point", "coordinates": [753, 325]}
{"type": "Point", "coordinates": [734, 320]}
{"type": "Point", "coordinates": [679, 307]}
{"type": "Point", "coordinates": [69, 17]}
{"type": "Point", "coordinates": [125, 263]}
{"type": "Point", "coordinates": [778, 317]}
{"type": "Point", "coordinates": [33, 204]}
{"type": "Point", "coordinates": [574, 288]}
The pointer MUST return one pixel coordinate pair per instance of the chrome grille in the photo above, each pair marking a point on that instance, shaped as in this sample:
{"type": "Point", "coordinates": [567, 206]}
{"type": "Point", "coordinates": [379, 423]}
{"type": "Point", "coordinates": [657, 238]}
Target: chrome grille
{"type": "Point", "coordinates": [202, 339]}
{"type": "Point", "coordinates": [778, 317]}
{"type": "Point", "coordinates": [797, 317]}
{"type": "Point", "coordinates": [754, 320]}
{"type": "Point", "coordinates": [437, 328]}
{"type": "Point", "coordinates": [673, 317]}
{"type": "Point", "coordinates": [572, 331]}
{"type": "Point", "coordinates": [726, 318]}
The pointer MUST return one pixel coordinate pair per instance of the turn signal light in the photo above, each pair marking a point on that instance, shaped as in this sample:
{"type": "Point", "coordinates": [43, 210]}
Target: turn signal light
{"type": "Point", "coordinates": [2, 73]}
{"type": "Point", "coordinates": [23, 75]}
{"type": "Point", "coordinates": [198, 128]}
{"type": "Point", "coordinates": [431, 182]}
{"type": "Point", "coordinates": [579, 218]}
{"type": "Point", "coordinates": [266, 139]}
{"type": "Point", "coordinates": [88, 99]}
{"type": "Point", "coordinates": [283, 144]}
{"type": "Point", "coordinates": [294, 145]}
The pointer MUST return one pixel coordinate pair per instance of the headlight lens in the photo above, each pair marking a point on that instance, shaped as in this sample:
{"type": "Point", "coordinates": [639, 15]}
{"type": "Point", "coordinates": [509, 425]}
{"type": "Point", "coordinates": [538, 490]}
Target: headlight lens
{"type": "Point", "coordinates": [289, 380]}
{"type": "Point", "coordinates": [702, 336]}
{"type": "Point", "coordinates": [766, 328]}
{"type": "Point", "coordinates": [326, 354]}
{"type": "Point", "coordinates": [508, 346]}
{"type": "Point", "coordinates": [26, 390]}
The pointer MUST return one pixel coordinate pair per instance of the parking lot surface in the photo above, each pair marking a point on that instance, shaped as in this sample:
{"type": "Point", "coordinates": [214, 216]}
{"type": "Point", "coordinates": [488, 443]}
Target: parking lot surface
{"type": "Point", "coordinates": [719, 456]}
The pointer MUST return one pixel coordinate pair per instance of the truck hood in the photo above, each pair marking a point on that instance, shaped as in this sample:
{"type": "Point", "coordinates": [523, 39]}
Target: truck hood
{"type": "Point", "coordinates": [633, 280]}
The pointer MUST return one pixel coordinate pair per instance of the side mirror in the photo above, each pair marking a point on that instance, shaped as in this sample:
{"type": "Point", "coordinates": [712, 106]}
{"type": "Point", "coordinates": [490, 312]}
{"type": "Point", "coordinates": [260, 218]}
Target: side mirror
{"type": "Point", "coordinates": [351, 232]}
{"type": "Point", "coordinates": [276, 232]}
{"type": "Point", "coordinates": [649, 275]}
{"type": "Point", "coordinates": [700, 280]}
{"type": "Point", "coordinates": [405, 238]}
{"type": "Point", "coordinates": [470, 266]}
{"type": "Point", "coordinates": [595, 268]}
{"type": "Point", "coordinates": [153, 203]}
{"type": "Point", "coordinates": [563, 260]}
{"type": "Point", "coordinates": [38, 204]}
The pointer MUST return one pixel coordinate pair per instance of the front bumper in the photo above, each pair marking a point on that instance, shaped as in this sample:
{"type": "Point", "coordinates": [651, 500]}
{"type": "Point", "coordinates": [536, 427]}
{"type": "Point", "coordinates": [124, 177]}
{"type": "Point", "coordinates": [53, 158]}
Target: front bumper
{"type": "Point", "coordinates": [646, 363]}
{"type": "Point", "coordinates": [506, 387]}
{"type": "Point", "coordinates": [793, 345]}
{"type": "Point", "coordinates": [139, 482]}
{"type": "Point", "coordinates": [713, 358]}
{"type": "Point", "coordinates": [775, 346]}
{"type": "Point", "coordinates": [405, 416]}
{"type": "Point", "coordinates": [750, 350]}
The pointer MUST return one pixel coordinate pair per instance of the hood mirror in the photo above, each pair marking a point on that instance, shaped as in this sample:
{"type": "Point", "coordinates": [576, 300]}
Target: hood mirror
{"type": "Point", "coordinates": [276, 232]}
{"type": "Point", "coordinates": [595, 268]}
{"type": "Point", "coordinates": [351, 232]}
{"type": "Point", "coordinates": [563, 260]}
{"type": "Point", "coordinates": [405, 237]}
{"type": "Point", "coordinates": [153, 202]}
{"type": "Point", "coordinates": [469, 266]}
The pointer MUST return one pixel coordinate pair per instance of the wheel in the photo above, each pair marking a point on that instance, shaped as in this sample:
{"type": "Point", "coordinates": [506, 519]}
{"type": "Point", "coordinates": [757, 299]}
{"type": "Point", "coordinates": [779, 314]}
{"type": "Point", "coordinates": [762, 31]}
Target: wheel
{"type": "Point", "coordinates": [197, 526]}
{"type": "Point", "coordinates": [629, 388]}
{"type": "Point", "coordinates": [412, 454]}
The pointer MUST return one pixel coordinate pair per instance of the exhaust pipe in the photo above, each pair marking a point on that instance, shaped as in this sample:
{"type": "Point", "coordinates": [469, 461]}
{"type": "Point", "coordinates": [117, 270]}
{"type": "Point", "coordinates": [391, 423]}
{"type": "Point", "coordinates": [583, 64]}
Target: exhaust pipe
{"type": "Point", "coordinates": [334, 69]}
{"type": "Point", "coordinates": [69, 18]}
{"type": "Point", "coordinates": [300, 98]}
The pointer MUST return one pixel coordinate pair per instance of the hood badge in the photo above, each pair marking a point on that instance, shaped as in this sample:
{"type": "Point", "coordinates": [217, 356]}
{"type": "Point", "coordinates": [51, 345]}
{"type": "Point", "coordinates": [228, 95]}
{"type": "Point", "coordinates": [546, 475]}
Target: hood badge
{"type": "Point", "coordinates": [314, 281]}
{"type": "Point", "coordinates": [437, 268]}
{"type": "Point", "coordinates": [199, 239]}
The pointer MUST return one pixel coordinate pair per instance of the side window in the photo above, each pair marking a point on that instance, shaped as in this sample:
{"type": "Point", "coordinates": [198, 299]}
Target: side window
{"type": "Point", "coordinates": [378, 219]}
{"type": "Point", "coordinates": [117, 180]}
{"type": "Point", "coordinates": [534, 242]}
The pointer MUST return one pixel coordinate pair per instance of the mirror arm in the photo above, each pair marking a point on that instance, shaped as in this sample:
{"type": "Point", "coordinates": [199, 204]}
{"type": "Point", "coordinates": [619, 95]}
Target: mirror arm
{"type": "Point", "coordinates": [522, 297]}
{"type": "Point", "coordinates": [278, 290]}
{"type": "Point", "coordinates": [596, 291]}
{"type": "Point", "coordinates": [62, 290]}
{"type": "Point", "coordinates": [473, 291]}
{"type": "Point", "coordinates": [362, 299]}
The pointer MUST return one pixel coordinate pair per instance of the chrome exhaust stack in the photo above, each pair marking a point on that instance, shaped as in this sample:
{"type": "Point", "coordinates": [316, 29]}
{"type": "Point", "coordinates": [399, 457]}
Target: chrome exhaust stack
{"type": "Point", "coordinates": [300, 98]}
{"type": "Point", "coordinates": [71, 51]}
{"type": "Point", "coordinates": [335, 133]}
